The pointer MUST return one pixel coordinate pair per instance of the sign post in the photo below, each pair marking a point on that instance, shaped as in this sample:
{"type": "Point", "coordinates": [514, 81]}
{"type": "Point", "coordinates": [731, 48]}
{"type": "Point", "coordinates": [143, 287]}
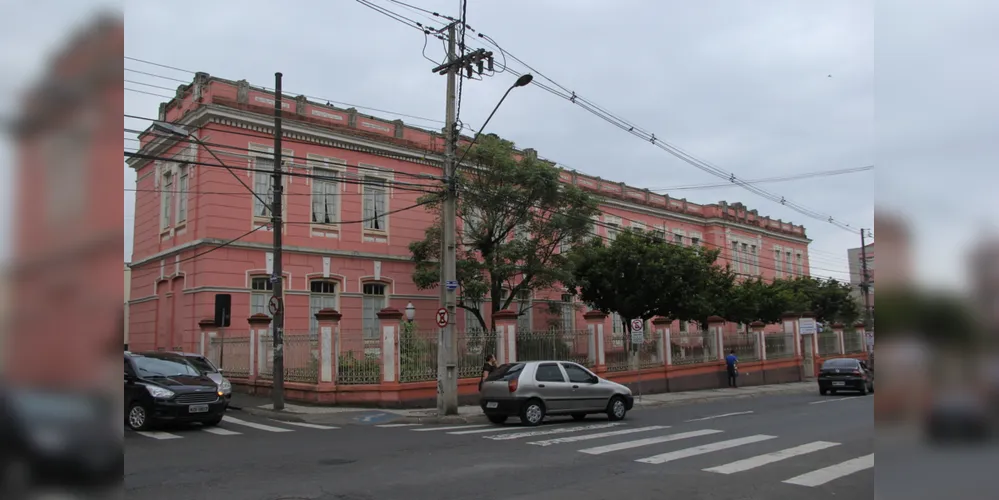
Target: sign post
{"type": "Point", "coordinates": [637, 339]}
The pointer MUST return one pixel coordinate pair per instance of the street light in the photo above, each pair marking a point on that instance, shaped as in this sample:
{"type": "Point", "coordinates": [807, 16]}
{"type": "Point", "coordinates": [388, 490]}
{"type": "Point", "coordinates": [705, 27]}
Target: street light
{"type": "Point", "coordinates": [524, 80]}
{"type": "Point", "coordinates": [410, 312]}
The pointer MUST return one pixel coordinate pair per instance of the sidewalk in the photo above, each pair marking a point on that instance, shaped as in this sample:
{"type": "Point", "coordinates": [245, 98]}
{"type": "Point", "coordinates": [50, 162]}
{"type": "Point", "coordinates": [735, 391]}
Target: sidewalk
{"type": "Point", "coordinates": [256, 405]}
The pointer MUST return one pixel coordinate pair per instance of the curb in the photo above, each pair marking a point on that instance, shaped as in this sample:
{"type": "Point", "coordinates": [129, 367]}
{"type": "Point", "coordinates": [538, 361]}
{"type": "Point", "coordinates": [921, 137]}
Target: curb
{"type": "Point", "coordinates": [705, 399]}
{"type": "Point", "coordinates": [448, 419]}
{"type": "Point", "coordinates": [272, 414]}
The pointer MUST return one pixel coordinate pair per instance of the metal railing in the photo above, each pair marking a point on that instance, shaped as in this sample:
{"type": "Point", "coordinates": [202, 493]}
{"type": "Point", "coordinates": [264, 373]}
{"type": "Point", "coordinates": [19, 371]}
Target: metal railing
{"type": "Point", "coordinates": [231, 355]}
{"type": "Point", "coordinates": [359, 360]}
{"type": "Point", "coordinates": [554, 345]}
{"type": "Point", "coordinates": [301, 358]}
{"type": "Point", "coordinates": [779, 345]}
{"type": "Point", "coordinates": [473, 347]}
{"type": "Point", "coordinates": [648, 351]}
{"type": "Point", "coordinates": [690, 348]}
{"type": "Point", "coordinates": [828, 344]}
{"type": "Point", "coordinates": [745, 345]}
{"type": "Point", "coordinates": [418, 353]}
{"type": "Point", "coordinates": [854, 342]}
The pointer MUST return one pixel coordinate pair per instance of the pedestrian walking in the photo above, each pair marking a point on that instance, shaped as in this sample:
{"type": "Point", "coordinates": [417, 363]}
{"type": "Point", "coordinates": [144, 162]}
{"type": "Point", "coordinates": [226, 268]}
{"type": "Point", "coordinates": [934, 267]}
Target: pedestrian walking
{"type": "Point", "coordinates": [487, 368]}
{"type": "Point", "coordinates": [732, 364]}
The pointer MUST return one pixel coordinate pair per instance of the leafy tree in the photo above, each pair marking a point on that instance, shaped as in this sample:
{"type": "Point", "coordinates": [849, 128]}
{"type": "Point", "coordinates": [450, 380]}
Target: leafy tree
{"type": "Point", "coordinates": [639, 277]}
{"type": "Point", "coordinates": [516, 216]}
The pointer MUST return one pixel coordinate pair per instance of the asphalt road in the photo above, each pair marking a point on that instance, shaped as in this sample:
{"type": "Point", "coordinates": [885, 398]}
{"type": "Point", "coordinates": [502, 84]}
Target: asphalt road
{"type": "Point", "coordinates": [715, 450]}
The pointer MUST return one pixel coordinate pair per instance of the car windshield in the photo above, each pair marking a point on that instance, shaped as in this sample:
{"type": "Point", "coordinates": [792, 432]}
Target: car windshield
{"type": "Point", "coordinates": [506, 372]}
{"type": "Point", "coordinates": [153, 367]}
{"type": "Point", "coordinates": [840, 363]}
{"type": "Point", "coordinates": [202, 364]}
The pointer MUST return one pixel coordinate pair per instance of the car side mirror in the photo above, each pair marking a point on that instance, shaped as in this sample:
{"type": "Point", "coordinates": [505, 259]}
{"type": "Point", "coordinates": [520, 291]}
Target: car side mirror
{"type": "Point", "coordinates": [595, 380]}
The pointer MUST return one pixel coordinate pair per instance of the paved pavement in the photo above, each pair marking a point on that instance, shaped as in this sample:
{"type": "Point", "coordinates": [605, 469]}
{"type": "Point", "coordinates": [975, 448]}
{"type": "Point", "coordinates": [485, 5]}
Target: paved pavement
{"type": "Point", "coordinates": [778, 447]}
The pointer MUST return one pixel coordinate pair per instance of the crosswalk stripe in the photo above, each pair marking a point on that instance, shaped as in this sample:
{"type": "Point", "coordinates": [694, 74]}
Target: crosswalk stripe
{"type": "Point", "coordinates": [557, 430]}
{"type": "Point", "coordinates": [310, 426]}
{"type": "Point", "coordinates": [448, 428]}
{"type": "Point", "coordinates": [706, 448]}
{"type": "Point", "coordinates": [627, 445]}
{"type": "Point", "coordinates": [158, 435]}
{"type": "Point", "coordinates": [489, 428]}
{"type": "Point", "coordinates": [769, 458]}
{"type": "Point", "coordinates": [253, 425]}
{"type": "Point", "coordinates": [824, 475]}
{"type": "Point", "coordinates": [387, 426]}
{"type": "Point", "coordinates": [587, 437]}
{"type": "Point", "coordinates": [220, 431]}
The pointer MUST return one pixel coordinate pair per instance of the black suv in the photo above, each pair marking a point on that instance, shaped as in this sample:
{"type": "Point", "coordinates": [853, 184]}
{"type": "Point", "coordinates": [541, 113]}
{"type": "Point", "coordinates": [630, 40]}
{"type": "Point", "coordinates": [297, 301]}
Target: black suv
{"type": "Point", "coordinates": [161, 388]}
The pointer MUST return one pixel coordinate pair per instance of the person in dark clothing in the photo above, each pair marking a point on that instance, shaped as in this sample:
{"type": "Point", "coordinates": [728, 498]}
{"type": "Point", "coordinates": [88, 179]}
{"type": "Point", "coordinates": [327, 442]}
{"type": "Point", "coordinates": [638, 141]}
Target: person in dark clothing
{"type": "Point", "coordinates": [487, 368]}
{"type": "Point", "coordinates": [732, 364]}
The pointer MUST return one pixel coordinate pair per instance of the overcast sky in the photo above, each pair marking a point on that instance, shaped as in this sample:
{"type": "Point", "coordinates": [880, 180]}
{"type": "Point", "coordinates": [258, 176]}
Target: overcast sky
{"type": "Point", "coordinates": [759, 89]}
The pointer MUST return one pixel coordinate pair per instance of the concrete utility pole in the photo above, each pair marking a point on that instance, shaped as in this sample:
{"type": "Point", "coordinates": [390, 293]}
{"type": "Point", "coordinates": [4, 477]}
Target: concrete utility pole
{"type": "Point", "coordinates": [277, 392]}
{"type": "Point", "coordinates": [447, 353]}
{"type": "Point", "coordinates": [865, 285]}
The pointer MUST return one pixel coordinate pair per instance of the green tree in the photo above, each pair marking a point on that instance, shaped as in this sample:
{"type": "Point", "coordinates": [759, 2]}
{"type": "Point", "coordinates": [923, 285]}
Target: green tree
{"type": "Point", "coordinates": [515, 216]}
{"type": "Point", "coordinates": [639, 277]}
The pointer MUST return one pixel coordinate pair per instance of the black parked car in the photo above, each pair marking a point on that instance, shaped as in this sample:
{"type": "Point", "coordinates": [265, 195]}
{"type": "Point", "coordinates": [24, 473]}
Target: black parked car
{"type": "Point", "coordinates": [845, 374]}
{"type": "Point", "coordinates": [162, 388]}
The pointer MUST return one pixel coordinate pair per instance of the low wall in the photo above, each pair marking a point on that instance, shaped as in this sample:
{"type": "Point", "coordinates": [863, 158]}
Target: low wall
{"type": "Point", "coordinates": [424, 394]}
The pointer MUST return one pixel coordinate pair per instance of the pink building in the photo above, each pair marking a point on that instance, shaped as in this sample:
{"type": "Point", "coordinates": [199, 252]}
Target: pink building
{"type": "Point", "coordinates": [186, 206]}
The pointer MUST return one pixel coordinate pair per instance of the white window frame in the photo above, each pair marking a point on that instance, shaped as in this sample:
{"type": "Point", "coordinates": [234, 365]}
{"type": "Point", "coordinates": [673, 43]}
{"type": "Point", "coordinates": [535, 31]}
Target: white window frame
{"type": "Point", "coordinates": [800, 263]}
{"type": "Point", "coordinates": [779, 261]}
{"type": "Point", "coordinates": [612, 224]}
{"type": "Point", "coordinates": [366, 180]}
{"type": "Point", "coordinates": [470, 221]}
{"type": "Point", "coordinates": [166, 198]}
{"type": "Point", "coordinates": [370, 326]}
{"type": "Point", "coordinates": [525, 318]}
{"type": "Point", "coordinates": [790, 263]}
{"type": "Point", "coordinates": [638, 226]}
{"type": "Point", "coordinates": [183, 187]}
{"type": "Point", "coordinates": [568, 312]}
{"type": "Point", "coordinates": [332, 167]}
{"type": "Point", "coordinates": [267, 293]}
{"type": "Point", "coordinates": [324, 301]}
{"type": "Point", "coordinates": [755, 256]}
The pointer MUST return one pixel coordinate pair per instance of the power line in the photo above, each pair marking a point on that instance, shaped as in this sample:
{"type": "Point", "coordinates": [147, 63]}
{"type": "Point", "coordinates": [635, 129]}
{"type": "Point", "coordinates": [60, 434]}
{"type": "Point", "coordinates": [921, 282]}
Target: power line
{"type": "Point", "coordinates": [785, 178]}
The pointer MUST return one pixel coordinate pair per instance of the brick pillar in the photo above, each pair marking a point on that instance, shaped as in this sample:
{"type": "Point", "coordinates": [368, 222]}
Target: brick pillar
{"type": "Point", "coordinates": [208, 332]}
{"type": "Point", "coordinates": [838, 330]}
{"type": "Point", "coordinates": [595, 326]}
{"type": "Point", "coordinates": [329, 336]}
{"type": "Point", "coordinates": [389, 319]}
{"type": "Point", "coordinates": [506, 336]}
{"type": "Point", "coordinates": [716, 326]}
{"type": "Point", "coordinates": [761, 340]}
{"type": "Point", "coordinates": [661, 327]}
{"type": "Point", "coordinates": [260, 326]}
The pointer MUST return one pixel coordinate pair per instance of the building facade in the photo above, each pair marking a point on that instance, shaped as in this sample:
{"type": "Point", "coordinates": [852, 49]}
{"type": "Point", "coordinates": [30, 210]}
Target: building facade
{"type": "Point", "coordinates": [350, 182]}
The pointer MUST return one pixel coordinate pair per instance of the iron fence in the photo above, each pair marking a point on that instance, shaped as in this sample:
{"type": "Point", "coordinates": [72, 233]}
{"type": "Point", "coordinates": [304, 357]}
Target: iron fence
{"type": "Point", "coordinates": [828, 343]}
{"type": "Point", "coordinates": [561, 345]}
{"type": "Point", "coordinates": [417, 355]}
{"type": "Point", "coordinates": [745, 345]}
{"type": "Point", "coordinates": [854, 342]}
{"type": "Point", "coordinates": [301, 358]}
{"type": "Point", "coordinates": [358, 358]}
{"type": "Point", "coordinates": [648, 351]}
{"type": "Point", "coordinates": [473, 347]}
{"type": "Point", "coordinates": [690, 348]}
{"type": "Point", "coordinates": [779, 345]}
{"type": "Point", "coordinates": [231, 355]}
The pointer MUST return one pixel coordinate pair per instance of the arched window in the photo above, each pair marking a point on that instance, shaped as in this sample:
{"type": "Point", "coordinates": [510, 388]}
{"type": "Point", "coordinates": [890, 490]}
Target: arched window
{"type": "Point", "coordinates": [373, 300]}
{"type": "Point", "coordinates": [322, 295]}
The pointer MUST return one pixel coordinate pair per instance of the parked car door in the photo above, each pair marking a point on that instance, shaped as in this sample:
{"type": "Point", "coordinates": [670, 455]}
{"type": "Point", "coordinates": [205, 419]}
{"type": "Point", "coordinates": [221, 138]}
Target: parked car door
{"type": "Point", "coordinates": [551, 385]}
{"type": "Point", "coordinates": [589, 394]}
{"type": "Point", "coordinates": [130, 386]}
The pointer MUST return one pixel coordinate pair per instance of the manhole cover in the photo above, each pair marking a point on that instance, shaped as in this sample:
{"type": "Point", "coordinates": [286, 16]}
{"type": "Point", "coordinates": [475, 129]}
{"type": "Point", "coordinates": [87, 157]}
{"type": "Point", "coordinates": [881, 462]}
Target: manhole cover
{"type": "Point", "coordinates": [336, 461]}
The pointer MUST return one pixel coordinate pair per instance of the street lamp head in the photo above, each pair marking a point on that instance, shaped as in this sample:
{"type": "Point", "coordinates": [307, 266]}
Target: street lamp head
{"type": "Point", "coordinates": [524, 80]}
{"type": "Point", "coordinates": [171, 128]}
{"type": "Point", "coordinates": [410, 311]}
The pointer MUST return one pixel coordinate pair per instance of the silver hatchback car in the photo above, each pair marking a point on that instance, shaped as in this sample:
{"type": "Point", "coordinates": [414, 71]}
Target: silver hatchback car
{"type": "Point", "coordinates": [532, 390]}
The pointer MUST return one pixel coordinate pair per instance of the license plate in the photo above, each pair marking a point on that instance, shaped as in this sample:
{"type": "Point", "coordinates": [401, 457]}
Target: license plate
{"type": "Point", "coordinates": [197, 409]}
{"type": "Point", "coordinates": [839, 383]}
{"type": "Point", "coordinates": [492, 404]}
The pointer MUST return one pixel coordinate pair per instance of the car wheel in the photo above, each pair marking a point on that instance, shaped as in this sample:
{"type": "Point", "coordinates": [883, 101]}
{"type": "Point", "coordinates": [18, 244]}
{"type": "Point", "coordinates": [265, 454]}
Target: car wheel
{"type": "Point", "coordinates": [578, 416]}
{"type": "Point", "coordinates": [497, 419]}
{"type": "Point", "coordinates": [616, 409]}
{"type": "Point", "coordinates": [533, 412]}
{"type": "Point", "coordinates": [138, 417]}
{"type": "Point", "coordinates": [213, 422]}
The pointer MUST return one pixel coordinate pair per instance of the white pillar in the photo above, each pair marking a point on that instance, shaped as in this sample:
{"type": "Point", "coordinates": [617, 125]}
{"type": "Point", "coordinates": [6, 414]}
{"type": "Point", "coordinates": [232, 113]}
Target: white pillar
{"type": "Point", "coordinates": [326, 353]}
{"type": "Point", "coordinates": [389, 357]}
{"type": "Point", "coordinates": [601, 351]}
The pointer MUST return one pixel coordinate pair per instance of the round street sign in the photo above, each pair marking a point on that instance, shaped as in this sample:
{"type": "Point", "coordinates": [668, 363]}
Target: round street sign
{"type": "Point", "coordinates": [443, 317]}
{"type": "Point", "coordinates": [274, 305]}
{"type": "Point", "coordinates": [637, 325]}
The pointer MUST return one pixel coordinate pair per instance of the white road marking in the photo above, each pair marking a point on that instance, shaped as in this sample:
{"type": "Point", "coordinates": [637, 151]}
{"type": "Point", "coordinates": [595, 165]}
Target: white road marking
{"type": "Point", "coordinates": [587, 437]}
{"type": "Point", "coordinates": [489, 428]}
{"type": "Point", "coordinates": [158, 435]}
{"type": "Point", "coordinates": [309, 426]}
{"type": "Point", "coordinates": [706, 448]}
{"type": "Point", "coordinates": [830, 400]}
{"type": "Point", "coordinates": [769, 458]}
{"type": "Point", "coordinates": [448, 428]}
{"type": "Point", "coordinates": [600, 450]}
{"type": "Point", "coordinates": [220, 431]}
{"type": "Point", "coordinates": [557, 430]}
{"type": "Point", "coordinates": [718, 416]}
{"type": "Point", "coordinates": [824, 475]}
{"type": "Point", "coordinates": [387, 426]}
{"type": "Point", "coordinates": [254, 425]}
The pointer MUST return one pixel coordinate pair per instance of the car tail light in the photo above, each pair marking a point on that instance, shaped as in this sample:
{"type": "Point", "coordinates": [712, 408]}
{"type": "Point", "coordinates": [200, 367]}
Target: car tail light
{"type": "Point", "coordinates": [512, 385]}
{"type": "Point", "coordinates": [856, 372]}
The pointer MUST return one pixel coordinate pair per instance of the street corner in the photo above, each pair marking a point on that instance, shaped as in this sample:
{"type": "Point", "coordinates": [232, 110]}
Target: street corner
{"type": "Point", "coordinates": [433, 419]}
